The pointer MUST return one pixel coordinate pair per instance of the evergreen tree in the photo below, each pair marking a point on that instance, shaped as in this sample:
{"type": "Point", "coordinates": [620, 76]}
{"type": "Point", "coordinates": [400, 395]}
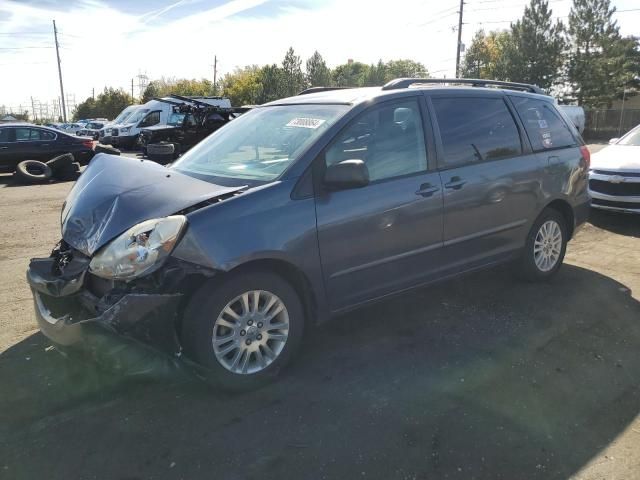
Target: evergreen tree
{"type": "Point", "coordinates": [292, 76]}
{"type": "Point", "coordinates": [318, 74]}
{"type": "Point", "coordinates": [601, 63]}
{"type": "Point", "coordinates": [536, 52]}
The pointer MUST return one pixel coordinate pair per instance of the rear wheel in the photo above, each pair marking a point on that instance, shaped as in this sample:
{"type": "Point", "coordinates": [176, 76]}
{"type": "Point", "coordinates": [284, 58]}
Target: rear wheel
{"type": "Point", "coordinates": [545, 247]}
{"type": "Point", "coordinates": [245, 330]}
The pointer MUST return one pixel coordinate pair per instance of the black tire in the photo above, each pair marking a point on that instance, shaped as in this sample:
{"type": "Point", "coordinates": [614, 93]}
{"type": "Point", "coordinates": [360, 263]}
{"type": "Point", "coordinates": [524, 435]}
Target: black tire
{"type": "Point", "coordinates": [69, 173]}
{"type": "Point", "coordinates": [33, 171]}
{"type": "Point", "coordinates": [61, 162]}
{"type": "Point", "coordinates": [105, 149]}
{"type": "Point", "coordinates": [213, 296]}
{"type": "Point", "coordinates": [527, 268]}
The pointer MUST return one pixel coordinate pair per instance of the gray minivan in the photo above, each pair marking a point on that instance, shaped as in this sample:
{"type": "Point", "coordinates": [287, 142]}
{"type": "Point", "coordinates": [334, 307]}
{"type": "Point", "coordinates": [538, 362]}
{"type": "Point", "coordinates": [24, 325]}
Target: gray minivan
{"type": "Point", "coordinates": [307, 207]}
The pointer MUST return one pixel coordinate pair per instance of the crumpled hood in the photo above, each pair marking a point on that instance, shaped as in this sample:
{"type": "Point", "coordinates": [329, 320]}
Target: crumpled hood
{"type": "Point", "coordinates": [115, 193]}
{"type": "Point", "coordinates": [625, 158]}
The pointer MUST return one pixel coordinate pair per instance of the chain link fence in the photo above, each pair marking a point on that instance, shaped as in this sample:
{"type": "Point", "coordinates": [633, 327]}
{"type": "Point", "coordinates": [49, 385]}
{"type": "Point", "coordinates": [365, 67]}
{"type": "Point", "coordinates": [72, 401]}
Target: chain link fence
{"type": "Point", "coordinates": [606, 124]}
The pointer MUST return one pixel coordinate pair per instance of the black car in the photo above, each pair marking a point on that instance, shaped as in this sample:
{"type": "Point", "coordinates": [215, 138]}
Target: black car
{"type": "Point", "coordinates": [24, 141]}
{"type": "Point", "coordinates": [190, 122]}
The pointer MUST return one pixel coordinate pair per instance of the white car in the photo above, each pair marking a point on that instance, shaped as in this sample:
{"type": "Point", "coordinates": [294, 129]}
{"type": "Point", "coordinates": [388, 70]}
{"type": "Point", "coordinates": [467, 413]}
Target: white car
{"type": "Point", "coordinates": [614, 177]}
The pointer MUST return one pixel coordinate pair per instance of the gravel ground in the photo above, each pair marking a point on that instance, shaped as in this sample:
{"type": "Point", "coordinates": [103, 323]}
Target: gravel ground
{"type": "Point", "coordinates": [483, 377]}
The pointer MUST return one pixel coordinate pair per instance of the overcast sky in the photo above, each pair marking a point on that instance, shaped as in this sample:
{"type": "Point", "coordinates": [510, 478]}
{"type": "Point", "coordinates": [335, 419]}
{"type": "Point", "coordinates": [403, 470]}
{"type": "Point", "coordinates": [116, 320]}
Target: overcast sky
{"type": "Point", "coordinates": [109, 42]}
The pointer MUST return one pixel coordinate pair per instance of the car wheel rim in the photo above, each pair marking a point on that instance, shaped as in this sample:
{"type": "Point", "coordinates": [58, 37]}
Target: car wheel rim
{"type": "Point", "coordinates": [547, 245]}
{"type": "Point", "coordinates": [251, 332]}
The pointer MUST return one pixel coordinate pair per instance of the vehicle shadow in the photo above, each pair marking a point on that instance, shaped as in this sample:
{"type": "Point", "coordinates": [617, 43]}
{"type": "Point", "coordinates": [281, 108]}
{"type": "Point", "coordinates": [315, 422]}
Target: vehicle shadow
{"type": "Point", "coordinates": [620, 223]}
{"type": "Point", "coordinates": [481, 377]}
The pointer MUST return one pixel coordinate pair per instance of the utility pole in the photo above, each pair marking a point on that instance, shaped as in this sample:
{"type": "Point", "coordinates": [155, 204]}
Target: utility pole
{"type": "Point", "coordinates": [93, 93]}
{"type": "Point", "coordinates": [55, 36]}
{"type": "Point", "coordinates": [33, 109]}
{"type": "Point", "coordinates": [459, 46]}
{"type": "Point", "coordinates": [215, 74]}
{"type": "Point", "coordinates": [132, 97]}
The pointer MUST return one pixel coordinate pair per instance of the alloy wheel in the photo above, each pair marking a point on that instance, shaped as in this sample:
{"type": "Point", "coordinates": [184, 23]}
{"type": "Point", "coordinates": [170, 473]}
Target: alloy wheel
{"type": "Point", "coordinates": [250, 332]}
{"type": "Point", "coordinates": [547, 246]}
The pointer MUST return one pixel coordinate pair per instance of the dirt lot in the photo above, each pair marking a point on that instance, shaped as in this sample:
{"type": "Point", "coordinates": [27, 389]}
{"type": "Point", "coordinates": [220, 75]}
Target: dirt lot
{"type": "Point", "coordinates": [481, 377]}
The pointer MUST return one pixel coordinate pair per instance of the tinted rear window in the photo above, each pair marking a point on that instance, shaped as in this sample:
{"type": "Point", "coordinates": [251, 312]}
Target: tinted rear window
{"type": "Point", "coordinates": [4, 134]}
{"type": "Point", "coordinates": [475, 130]}
{"type": "Point", "coordinates": [543, 124]}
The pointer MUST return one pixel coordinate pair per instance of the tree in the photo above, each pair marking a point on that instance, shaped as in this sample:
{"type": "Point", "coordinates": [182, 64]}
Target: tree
{"type": "Point", "coordinates": [375, 75]}
{"type": "Point", "coordinates": [243, 86]}
{"type": "Point", "coordinates": [487, 56]}
{"type": "Point", "coordinates": [273, 84]}
{"type": "Point", "coordinates": [602, 63]}
{"type": "Point", "coordinates": [177, 86]}
{"type": "Point", "coordinates": [405, 68]}
{"type": "Point", "coordinates": [107, 104]}
{"type": "Point", "coordinates": [351, 74]}
{"type": "Point", "coordinates": [318, 74]}
{"type": "Point", "coordinates": [292, 76]}
{"type": "Point", "coordinates": [536, 52]}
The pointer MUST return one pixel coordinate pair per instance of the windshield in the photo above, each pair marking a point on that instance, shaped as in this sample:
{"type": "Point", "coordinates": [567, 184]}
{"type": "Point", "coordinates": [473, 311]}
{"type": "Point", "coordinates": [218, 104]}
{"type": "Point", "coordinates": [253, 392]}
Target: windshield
{"type": "Point", "coordinates": [632, 138]}
{"type": "Point", "coordinates": [138, 115]}
{"type": "Point", "coordinates": [176, 119]}
{"type": "Point", "coordinates": [123, 114]}
{"type": "Point", "coordinates": [262, 143]}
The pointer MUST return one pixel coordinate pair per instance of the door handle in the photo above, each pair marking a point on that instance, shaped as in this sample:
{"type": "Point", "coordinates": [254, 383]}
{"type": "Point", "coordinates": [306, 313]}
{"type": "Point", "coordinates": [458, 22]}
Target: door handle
{"type": "Point", "coordinates": [456, 183]}
{"type": "Point", "coordinates": [427, 190]}
{"type": "Point", "coordinates": [3, 148]}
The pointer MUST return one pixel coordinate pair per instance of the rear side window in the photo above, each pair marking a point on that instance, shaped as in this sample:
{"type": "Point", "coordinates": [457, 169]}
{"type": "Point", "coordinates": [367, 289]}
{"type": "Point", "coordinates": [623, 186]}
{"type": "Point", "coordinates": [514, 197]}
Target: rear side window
{"type": "Point", "coordinates": [543, 124]}
{"type": "Point", "coordinates": [475, 130]}
{"type": "Point", "coordinates": [22, 134]}
{"type": "Point", "coordinates": [4, 134]}
{"type": "Point", "coordinates": [41, 135]}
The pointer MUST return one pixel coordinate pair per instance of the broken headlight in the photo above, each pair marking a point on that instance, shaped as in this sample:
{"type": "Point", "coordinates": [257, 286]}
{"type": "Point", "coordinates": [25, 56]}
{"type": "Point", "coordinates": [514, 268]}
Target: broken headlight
{"type": "Point", "coordinates": [140, 250]}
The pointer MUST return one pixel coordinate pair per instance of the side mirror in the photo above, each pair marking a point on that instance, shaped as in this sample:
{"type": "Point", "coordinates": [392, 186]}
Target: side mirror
{"type": "Point", "coordinates": [613, 140]}
{"type": "Point", "coordinates": [346, 174]}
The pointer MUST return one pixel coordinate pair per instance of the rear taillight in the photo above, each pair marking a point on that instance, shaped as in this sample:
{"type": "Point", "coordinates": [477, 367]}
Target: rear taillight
{"type": "Point", "coordinates": [586, 155]}
{"type": "Point", "coordinates": [88, 143]}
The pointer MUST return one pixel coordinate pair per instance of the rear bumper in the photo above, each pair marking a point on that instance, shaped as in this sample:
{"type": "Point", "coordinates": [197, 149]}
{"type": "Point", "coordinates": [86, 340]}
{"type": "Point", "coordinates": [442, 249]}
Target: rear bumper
{"type": "Point", "coordinates": [69, 315]}
{"type": "Point", "coordinates": [581, 215]}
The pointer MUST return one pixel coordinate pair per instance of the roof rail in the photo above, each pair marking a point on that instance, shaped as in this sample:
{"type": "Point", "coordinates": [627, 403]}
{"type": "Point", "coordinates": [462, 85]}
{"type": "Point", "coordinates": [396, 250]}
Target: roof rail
{"type": "Point", "coordinates": [321, 89]}
{"type": "Point", "coordinates": [476, 82]}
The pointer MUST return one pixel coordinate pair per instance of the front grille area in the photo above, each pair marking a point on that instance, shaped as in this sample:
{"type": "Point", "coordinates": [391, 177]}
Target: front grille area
{"type": "Point", "coordinates": [625, 189]}
{"type": "Point", "coordinates": [622, 174]}
{"type": "Point", "coordinates": [609, 203]}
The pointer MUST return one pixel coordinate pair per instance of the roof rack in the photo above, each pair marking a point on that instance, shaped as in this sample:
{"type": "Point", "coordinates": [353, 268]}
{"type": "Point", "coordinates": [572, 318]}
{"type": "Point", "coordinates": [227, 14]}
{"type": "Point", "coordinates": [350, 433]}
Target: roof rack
{"type": "Point", "coordinates": [321, 89]}
{"type": "Point", "coordinates": [475, 82]}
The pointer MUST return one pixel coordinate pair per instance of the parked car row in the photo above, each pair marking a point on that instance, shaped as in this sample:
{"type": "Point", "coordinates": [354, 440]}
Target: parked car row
{"type": "Point", "coordinates": [124, 132]}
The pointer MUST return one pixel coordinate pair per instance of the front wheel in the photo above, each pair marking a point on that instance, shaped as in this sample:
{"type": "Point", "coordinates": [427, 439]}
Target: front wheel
{"type": "Point", "coordinates": [244, 329]}
{"type": "Point", "coordinates": [545, 247]}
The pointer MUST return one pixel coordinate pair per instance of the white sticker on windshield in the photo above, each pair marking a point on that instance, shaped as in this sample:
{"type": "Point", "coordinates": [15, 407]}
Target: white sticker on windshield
{"type": "Point", "coordinates": [306, 122]}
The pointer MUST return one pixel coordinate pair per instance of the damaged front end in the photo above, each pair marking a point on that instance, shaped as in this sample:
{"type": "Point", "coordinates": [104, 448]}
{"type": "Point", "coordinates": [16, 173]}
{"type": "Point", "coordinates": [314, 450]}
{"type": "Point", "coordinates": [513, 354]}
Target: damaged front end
{"type": "Point", "coordinates": [113, 271]}
{"type": "Point", "coordinates": [70, 301]}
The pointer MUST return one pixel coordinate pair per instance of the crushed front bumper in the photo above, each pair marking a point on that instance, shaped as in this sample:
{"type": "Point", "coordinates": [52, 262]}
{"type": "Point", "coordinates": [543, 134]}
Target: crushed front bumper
{"type": "Point", "coordinates": [68, 314]}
